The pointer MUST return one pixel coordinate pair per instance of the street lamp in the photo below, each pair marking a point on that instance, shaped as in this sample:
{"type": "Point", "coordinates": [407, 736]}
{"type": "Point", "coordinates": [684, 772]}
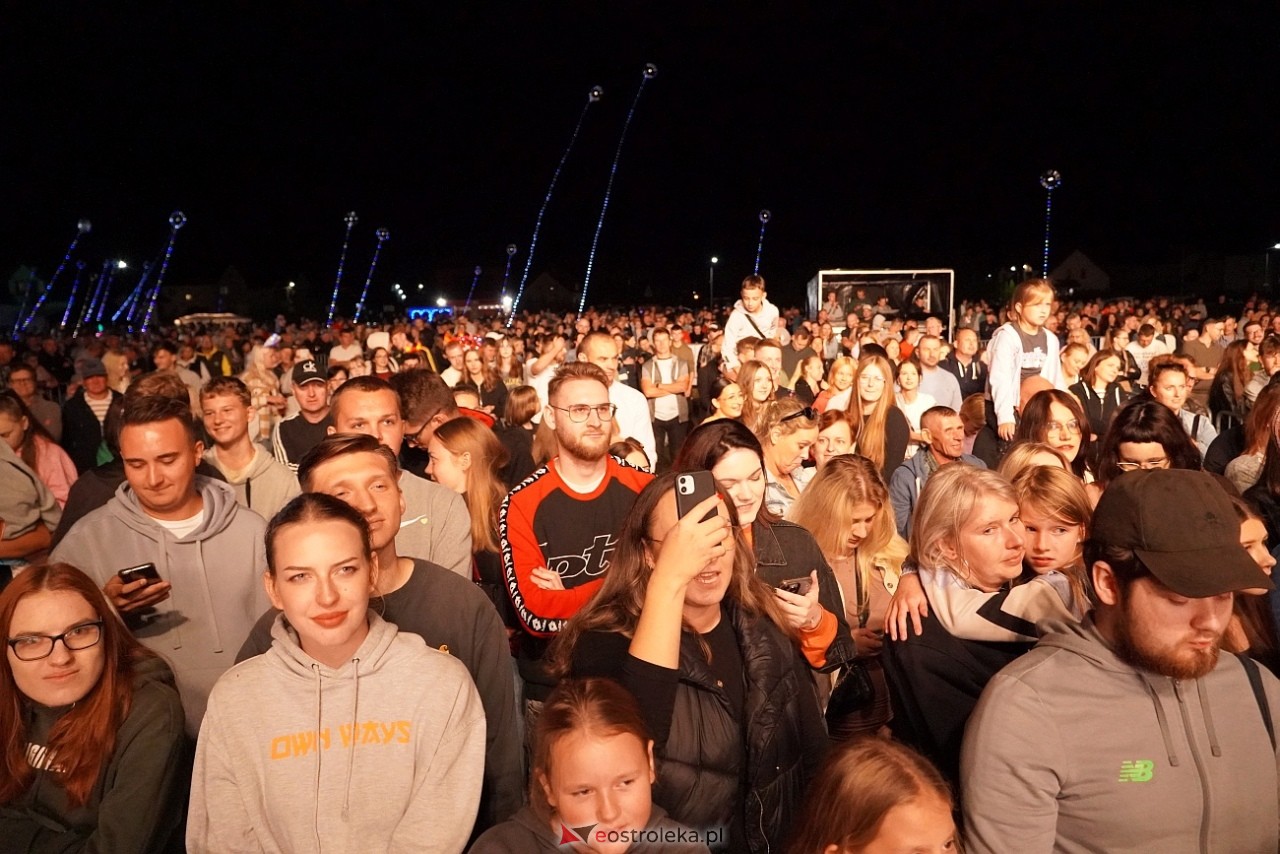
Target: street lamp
{"type": "Point", "coordinates": [711, 282]}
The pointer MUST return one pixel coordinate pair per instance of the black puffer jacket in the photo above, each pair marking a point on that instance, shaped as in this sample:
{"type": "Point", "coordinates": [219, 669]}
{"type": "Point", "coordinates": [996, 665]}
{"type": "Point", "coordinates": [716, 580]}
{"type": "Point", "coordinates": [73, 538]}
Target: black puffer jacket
{"type": "Point", "coordinates": [700, 745]}
{"type": "Point", "coordinates": [784, 550]}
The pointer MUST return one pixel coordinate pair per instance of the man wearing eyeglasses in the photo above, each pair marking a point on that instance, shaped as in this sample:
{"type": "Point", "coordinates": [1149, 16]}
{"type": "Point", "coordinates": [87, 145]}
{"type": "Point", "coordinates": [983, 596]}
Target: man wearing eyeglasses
{"type": "Point", "coordinates": [558, 528]}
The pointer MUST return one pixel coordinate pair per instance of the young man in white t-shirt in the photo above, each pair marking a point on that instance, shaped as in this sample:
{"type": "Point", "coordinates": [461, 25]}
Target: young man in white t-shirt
{"type": "Point", "coordinates": [664, 379]}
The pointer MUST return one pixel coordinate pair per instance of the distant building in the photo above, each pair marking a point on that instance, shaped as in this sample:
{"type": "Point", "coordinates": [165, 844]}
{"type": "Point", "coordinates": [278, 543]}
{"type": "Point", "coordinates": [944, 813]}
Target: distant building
{"type": "Point", "coordinates": [1078, 274]}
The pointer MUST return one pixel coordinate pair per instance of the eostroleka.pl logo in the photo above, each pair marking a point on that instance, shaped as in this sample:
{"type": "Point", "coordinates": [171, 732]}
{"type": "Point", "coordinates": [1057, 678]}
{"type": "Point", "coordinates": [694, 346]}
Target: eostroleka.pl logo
{"type": "Point", "coordinates": [570, 835]}
{"type": "Point", "coordinates": [648, 836]}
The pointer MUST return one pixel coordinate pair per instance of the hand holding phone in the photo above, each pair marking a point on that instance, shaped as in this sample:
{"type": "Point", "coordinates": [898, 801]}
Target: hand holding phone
{"type": "Point", "coordinates": [136, 588]}
{"type": "Point", "coordinates": [692, 488]}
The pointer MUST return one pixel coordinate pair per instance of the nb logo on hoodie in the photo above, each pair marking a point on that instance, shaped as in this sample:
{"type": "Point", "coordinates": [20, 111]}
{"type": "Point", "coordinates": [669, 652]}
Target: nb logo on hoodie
{"type": "Point", "coordinates": [1136, 770]}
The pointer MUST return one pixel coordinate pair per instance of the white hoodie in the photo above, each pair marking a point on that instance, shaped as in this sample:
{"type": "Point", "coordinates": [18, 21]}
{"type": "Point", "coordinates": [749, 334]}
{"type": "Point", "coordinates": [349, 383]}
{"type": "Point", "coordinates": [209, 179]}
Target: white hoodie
{"type": "Point", "coordinates": [740, 325]}
{"type": "Point", "coordinates": [385, 753]}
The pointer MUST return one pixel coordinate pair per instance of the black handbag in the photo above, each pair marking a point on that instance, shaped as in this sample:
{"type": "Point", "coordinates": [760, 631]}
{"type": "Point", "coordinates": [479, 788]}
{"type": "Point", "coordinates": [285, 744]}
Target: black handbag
{"type": "Point", "coordinates": [853, 690]}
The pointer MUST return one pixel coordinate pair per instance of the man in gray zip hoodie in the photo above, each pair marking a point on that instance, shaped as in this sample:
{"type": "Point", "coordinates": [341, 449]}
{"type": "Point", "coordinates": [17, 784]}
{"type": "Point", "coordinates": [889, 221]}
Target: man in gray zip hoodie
{"type": "Point", "coordinates": [1132, 731]}
{"type": "Point", "coordinates": [207, 550]}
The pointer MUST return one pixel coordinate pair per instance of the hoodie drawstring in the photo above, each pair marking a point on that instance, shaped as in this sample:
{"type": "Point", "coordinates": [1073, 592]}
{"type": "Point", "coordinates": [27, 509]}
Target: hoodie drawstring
{"type": "Point", "coordinates": [1164, 722]}
{"type": "Point", "coordinates": [351, 753]}
{"type": "Point", "coordinates": [315, 800]}
{"type": "Point", "coordinates": [208, 596]}
{"type": "Point", "coordinates": [1208, 718]}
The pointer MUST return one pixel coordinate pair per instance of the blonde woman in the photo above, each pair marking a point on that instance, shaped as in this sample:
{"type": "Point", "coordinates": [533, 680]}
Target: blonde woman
{"type": "Point", "coordinates": [787, 430]}
{"type": "Point", "coordinates": [846, 507]}
{"type": "Point", "coordinates": [264, 388]}
{"type": "Point", "coordinates": [839, 384]}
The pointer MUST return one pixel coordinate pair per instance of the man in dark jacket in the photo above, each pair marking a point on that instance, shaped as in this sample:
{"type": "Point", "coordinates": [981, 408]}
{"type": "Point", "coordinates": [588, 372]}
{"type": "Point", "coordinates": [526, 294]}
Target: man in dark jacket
{"type": "Point", "coordinates": [84, 414]}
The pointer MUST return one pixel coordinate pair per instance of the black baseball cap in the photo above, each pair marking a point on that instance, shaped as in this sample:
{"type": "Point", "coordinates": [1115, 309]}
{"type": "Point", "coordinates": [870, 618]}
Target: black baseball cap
{"type": "Point", "coordinates": [1182, 527]}
{"type": "Point", "coordinates": [307, 371]}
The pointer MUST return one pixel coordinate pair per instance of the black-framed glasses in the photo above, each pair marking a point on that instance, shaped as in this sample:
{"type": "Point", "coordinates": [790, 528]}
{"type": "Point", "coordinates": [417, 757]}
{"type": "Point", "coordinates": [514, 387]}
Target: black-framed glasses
{"type": "Point", "coordinates": [808, 412]}
{"type": "Point", "coordinates": [36, 647]}
{"type": "Point", "coordinates": [580, 412]}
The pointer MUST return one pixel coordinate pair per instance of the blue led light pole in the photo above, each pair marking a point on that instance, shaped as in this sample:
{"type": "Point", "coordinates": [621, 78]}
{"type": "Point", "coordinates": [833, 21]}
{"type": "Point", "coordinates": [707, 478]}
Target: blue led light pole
{"type": "Point", "coordinates": [765, 216]}
{"type": "Point", "coordinates": [83, 227]}
{"type": "Point", "coordinates": [350, 219]}
{"type": "Point", "coordinates": [1051, 181]}
{"type": "Point", "coordinates": [382, 234]}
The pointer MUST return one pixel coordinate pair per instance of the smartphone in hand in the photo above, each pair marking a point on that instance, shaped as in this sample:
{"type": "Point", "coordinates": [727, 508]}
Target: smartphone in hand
{"type": "Point", "coordinates": [798, 586]}
{"type": "Point", "coordinates": [142, 570]}
{"type": "Point", "coordinates": [692, 488]}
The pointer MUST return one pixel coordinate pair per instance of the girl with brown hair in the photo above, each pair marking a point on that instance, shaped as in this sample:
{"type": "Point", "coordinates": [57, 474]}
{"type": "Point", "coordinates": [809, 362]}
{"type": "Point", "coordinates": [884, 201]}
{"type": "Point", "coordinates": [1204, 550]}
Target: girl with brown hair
{"type": "Point", "coordinates": [94, 740]}
{"type": "Point", "coordinates": [882, 432]}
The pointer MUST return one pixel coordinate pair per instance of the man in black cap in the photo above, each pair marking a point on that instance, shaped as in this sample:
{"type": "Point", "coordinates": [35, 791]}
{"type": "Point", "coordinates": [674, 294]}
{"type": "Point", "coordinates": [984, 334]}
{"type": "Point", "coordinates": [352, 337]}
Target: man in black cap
{"type": "Point", "coordinates": [294, 436]}
{"type": "Point", "coordinates": [1132, 731]}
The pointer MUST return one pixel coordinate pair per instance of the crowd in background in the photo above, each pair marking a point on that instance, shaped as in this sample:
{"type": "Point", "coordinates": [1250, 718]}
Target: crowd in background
{"type": "Point", "coordinates": [936, 575]}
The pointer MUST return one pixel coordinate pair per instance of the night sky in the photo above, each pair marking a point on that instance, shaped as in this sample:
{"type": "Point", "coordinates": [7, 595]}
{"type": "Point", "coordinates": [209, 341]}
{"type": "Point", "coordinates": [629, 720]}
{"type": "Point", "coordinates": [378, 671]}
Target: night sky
{"type": "Point", "coordinates": [879, 135]}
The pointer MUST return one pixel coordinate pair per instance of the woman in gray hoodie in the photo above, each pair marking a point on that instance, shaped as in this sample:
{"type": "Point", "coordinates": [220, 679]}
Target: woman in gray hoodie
{"type": "Point", "coordinates": [346, 735]}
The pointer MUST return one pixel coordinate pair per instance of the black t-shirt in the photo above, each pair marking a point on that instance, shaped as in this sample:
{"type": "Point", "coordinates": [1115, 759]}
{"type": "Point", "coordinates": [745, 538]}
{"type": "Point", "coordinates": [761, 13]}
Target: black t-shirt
{"type": "Point", "coordinates": [298, 435]}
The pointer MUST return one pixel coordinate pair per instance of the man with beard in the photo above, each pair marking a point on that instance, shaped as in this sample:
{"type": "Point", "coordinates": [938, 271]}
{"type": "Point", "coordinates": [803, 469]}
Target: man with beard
{"type": "Point", "coordinates": [558, 528]}
{"type": "Point", "coordinates": [1130, 731]}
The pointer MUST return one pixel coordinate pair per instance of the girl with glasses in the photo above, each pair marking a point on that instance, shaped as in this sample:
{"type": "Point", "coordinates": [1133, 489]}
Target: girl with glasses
{"type": "Point", "coordinates": [94, 726]}
{"type": "Point", "coordinates": [1056, 418]}
{"type": "Point", "coordinates": [1144, 435]}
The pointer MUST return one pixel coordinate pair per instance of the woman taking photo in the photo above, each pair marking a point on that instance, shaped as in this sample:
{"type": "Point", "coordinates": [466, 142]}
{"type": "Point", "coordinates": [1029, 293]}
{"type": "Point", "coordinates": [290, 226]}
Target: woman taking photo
{"type": "Point", "coordinates": [1099, 390]}
{"type": "Point", "coordinates": [756, 382]}
{"type": "Point", "coordinates": [94, 744]}
{"type": "Point", "coordinates": [786, 430]}
{"type": "Point", "coordinates": [346, 730]}
{"type": "Point", "coordinates": [493, 391]}
{"type": "Point", "coordinates": [467, 458]}
{"type": "Point", "coordinates": [846, 508]}
{"type": "Point", "coordinates": [592, 767]}
{"type": "Point", "coordinates": [1055, 418]}
{"type": "Point", "coordinates": [783, 550]}
{"type": "Point", "coordinates": [684, 622]}
{"type": "Point", "coordinates": [1144, 435]}
{"type": "Point", "coordinates": [839, 383]}
{"type": "Point", "coordinates": [726, 399]}
{"type": "Point", "coordinates": [882, 432]}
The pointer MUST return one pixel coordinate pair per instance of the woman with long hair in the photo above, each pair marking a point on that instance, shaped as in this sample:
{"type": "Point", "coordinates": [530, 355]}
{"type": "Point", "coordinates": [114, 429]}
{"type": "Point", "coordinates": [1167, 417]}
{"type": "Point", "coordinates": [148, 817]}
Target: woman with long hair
{"type": "Point", "coordinates": [686, 624]}
{"type": "Point", "coordinates": [839, 383]}
{"type": "Point", "coordinates": [783, 550]}
{"type": "Point", "coordinates": [1252, 630]}
{"type": "Point", "coordinates": [467, 458]}
{"type": "Point", "coordinates": [592, 766]}
{"type": "Point", "coordinates": [29, 439]}
{"type": "Point", "coordinates": [756, 382]}
{"type": "Point", "coordinates": [1056, 418]}
{"type": "Point", "coordinates": [726, 399]}
{"type": "Point", "coordinates": [1226, 393]}
{"type": "Point", "coordinates": [910, 399]}
{"type": "Point", "coordinates": [1099, 390]}
{"type": "Point", "coordinates": [873, 796]}
{"type": "Point", "coordinates": [493, 391]}
{"type": "Point", "coordinates": [399, 725]}
{"type": "Point", "coordinates": [807, 382]}
{"type": "Point", "coordinates": [264, 388]}
{"type": "Point", "coordinates": [1244, 470]}
{"type": "Point", "coordinates": [882, 432]}
{"type": "Point", "coordinates": [94, 744]}
{"type": "Point", "coordinates": [1144, 435]}
{"type": "Point", "coordinates": [382, 365]}
{"type": "Point", "coordinates": [786, 430]}
{"type": "Point", "coordinates": [509, 366]}
{"type": "Point", "coordinates": [847, 510]}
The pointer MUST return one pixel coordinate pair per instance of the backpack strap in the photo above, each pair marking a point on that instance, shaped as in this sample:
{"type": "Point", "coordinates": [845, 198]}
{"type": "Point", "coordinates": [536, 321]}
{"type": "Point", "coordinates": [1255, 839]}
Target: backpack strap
{"type": "Point", "coordinates": [1255, 683]}
{"type": "Point", "coordinates": [1195, 427]}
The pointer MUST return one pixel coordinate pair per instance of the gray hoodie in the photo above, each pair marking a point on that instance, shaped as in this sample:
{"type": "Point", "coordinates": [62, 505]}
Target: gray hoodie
{"type": "Point", "coordinates": [216, 573]}
{"type": "Point", "coordinates": [1071, 749]}
{"type": "Point", "coordinates": [384, 753]}
{"type": "Point", "coordinates": [263, 486]}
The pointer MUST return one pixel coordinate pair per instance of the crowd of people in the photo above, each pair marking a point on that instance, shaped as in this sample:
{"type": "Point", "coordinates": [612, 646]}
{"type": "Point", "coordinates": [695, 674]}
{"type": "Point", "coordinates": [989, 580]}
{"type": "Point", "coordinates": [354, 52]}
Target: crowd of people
{"type": "Point", "coordinates": [647, 580]}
